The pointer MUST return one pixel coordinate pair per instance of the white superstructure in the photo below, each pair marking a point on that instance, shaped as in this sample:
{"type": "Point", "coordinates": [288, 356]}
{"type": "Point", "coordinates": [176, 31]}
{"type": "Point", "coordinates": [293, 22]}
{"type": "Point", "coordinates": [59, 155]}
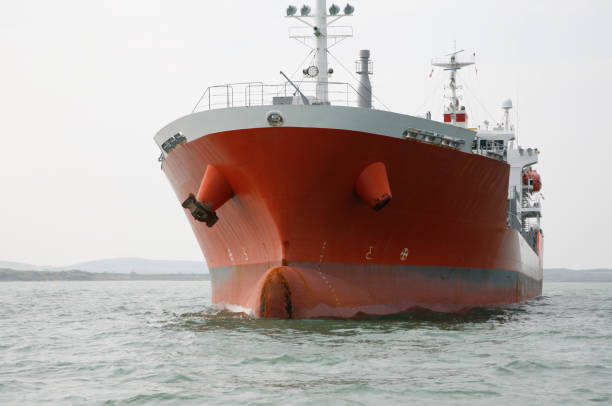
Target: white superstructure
{"type": "Point", "coordinates": [524, 184]}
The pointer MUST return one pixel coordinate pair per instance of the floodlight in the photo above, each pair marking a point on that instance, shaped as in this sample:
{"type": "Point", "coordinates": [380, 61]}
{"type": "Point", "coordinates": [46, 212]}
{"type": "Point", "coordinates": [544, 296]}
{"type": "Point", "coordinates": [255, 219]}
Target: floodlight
{"type": "Point", "coordinates": [334, 10]}
{"type": "Point", "coordinates": [305, 11]}
{"type": "Point", "coordinates": [348, 10]}
{"type": "Point", "coordinates": [291, 10]}
{"type": "Point", "coordinates": [312, 71]}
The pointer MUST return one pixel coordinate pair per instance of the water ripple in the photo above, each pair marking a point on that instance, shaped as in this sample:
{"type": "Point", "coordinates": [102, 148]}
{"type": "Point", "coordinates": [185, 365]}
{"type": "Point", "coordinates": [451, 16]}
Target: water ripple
{"type": "Point", "coordinates": [142, 343]}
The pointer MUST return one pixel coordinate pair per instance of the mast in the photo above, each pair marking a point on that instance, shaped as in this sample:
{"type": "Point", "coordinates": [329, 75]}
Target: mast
{"type": "Point", "coordinates": [321, 59]}
{"type": "Point", "coordinates": [453, 86]}
{"type": "Point", "coordinates": [454, 113]}
{"type": "Point", "coordinates": [317, 37]}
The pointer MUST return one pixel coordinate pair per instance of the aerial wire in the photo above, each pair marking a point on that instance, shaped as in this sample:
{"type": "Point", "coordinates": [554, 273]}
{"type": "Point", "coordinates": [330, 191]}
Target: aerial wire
{"type": "Point", "coordinates": [516, 112]}
{"type": "Point", "coordinates": [302, 64]}
{"type": "Point", "coordinates": [479, 103]}
{"type": "Point", "coordinates": [435, 89]}
{"type": "Point", "coordinates": [300, 67]}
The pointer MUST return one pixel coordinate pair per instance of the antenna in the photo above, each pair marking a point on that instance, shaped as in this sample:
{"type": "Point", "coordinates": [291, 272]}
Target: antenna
{"type": "Point", "coordinates": [507, 106]}
{"type": "Point", "coordinates": [516, 131]}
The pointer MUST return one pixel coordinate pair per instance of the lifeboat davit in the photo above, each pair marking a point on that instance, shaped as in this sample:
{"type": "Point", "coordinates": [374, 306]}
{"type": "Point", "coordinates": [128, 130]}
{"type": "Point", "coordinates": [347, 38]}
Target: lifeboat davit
{"type": "Point", "coordinates": [532, 177]}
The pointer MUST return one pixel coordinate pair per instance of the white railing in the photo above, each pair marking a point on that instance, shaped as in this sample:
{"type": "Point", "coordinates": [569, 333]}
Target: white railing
{"type": "Point", "coordinates": [250, 94]}
{"type": "Point", "coordinates": [333, 32]}
{"type": "Point", "coordinates": [489, 148]}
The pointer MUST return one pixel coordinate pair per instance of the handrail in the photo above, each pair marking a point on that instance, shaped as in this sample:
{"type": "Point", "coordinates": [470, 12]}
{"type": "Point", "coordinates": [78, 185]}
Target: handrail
{"type": "Point", "coordinates": [247, 94]}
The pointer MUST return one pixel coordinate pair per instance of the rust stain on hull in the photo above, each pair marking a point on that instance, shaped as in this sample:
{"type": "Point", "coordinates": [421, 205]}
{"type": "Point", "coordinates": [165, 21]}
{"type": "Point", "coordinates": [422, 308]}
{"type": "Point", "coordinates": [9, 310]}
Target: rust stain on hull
{"type": "Point", "coordinates": [275, 299]}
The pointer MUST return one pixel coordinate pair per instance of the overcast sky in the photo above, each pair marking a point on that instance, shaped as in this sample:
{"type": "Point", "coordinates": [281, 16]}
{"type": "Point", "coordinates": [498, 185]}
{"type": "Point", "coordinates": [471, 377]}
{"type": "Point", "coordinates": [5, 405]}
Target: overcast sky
{"type": "Point", "coordinates": [84, 86]}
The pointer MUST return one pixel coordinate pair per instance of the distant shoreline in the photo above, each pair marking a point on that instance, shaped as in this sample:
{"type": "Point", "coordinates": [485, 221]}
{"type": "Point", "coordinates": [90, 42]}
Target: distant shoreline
{"type": "Point", "coordinates": [571, 275]}
{"type": "Point", "coordinates": [10, 275]}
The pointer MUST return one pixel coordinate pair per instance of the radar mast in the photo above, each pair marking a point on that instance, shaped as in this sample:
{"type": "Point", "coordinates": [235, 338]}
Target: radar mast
{"type": "Point", "coordinates": [454, 112]}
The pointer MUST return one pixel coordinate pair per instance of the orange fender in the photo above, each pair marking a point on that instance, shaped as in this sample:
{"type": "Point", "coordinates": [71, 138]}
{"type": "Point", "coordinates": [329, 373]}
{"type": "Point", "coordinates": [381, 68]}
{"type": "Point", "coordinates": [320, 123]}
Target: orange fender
{"type": "Point", "coordinates": [214, 189]}
{"type": "Point", "coordinates": [373, 186]}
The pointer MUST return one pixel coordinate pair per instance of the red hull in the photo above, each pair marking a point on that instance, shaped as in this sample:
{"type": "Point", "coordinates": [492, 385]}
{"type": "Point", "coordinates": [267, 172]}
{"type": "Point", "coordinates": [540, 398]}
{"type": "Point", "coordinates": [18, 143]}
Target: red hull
{"type": "Point", "coordinates": [441, 243]}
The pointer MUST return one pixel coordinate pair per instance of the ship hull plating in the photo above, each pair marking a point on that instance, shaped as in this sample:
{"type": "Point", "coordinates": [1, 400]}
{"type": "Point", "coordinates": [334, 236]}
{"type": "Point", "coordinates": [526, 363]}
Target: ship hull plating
{"type": "Point", "coordinates": [352, 290]}
{"type": "Point", "coordinates": [295, 240]}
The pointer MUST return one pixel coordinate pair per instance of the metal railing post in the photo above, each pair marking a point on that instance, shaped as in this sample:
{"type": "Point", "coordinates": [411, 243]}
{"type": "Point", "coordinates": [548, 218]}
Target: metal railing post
{"type": "Point", "coordinates": [347, 95]}
{"type": "Point", "coordinates": [277, 90]}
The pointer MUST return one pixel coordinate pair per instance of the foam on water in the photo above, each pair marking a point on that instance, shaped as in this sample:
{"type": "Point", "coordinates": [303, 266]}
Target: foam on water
{"type": "Point", "coordinates": [163, 343]}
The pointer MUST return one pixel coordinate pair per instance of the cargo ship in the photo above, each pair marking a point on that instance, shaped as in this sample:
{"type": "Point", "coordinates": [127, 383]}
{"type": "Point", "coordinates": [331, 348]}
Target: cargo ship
{"type": "Point", "coordinates": [310, 201]}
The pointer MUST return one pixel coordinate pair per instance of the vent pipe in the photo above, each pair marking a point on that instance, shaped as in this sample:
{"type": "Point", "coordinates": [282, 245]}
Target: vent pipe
{"type": "Point", "coordinates": [364, 70]}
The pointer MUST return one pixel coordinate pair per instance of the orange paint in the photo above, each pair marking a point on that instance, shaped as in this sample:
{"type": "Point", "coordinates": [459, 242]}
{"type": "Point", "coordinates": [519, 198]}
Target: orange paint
{"type": "Point", "coordinates": [214, 189]}
{"type": "Point", "coordinates": [297, 205]}
{"type": "Point", "coordinates": [373, 186]}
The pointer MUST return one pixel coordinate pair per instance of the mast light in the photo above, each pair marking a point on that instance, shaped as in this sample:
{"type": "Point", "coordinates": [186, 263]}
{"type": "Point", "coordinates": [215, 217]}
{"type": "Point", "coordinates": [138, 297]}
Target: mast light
{"type": "Point", "coordinates": [311, 71]}
{"type": "Point", "coordinates": [349, 10]}
{"type": "Point", "coordinates": [305, 11]}
{"type": "Point", "coordinates": [291, 10]}
{"type": "Point", "coordinates": [334, 10]}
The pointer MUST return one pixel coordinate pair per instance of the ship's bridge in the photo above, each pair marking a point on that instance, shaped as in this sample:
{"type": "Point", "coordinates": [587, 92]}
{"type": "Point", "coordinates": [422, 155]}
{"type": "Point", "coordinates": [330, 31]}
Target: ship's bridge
{"type": "Point", "coordinates": [493, 144]}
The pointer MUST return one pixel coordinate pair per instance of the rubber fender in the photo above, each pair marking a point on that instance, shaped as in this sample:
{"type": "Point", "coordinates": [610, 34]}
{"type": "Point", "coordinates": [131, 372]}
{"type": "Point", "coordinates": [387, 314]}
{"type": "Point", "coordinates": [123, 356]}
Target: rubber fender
{"type": "Point", "coordinates": [373, 186]}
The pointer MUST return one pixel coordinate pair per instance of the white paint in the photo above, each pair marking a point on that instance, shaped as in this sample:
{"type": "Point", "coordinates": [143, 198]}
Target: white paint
{"type": "Point", "coordinates": [365, 86]}
{"type": "Point", "coordinates": [322, 255]}
{"type": "Point", "coordinates": [370, 121]}
{"type": "Point", "coordinates": [322, 77]}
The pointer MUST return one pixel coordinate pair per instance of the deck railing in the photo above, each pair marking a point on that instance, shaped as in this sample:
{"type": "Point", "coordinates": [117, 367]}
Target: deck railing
{"type": "Point", "coordinates": [250, 94]}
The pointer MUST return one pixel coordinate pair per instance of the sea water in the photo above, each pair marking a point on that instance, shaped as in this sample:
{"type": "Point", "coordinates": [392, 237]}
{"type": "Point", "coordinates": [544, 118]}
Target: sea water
{"type": "Point", "coordinates": [147, 343]}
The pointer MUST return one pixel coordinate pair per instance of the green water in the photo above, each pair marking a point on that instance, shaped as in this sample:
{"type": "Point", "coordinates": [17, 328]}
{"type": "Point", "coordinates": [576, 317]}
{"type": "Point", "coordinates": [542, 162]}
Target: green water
{"type": "Point", "coordinates": [161, 343]}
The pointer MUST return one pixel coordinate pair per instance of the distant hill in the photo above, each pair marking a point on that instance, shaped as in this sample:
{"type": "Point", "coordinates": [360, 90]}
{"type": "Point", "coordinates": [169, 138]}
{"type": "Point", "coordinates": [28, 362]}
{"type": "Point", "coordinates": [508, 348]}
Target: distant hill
{"type": "Point", "coordinates": [120, 265]}
{"type": "Point", "coordinates": [19, 266]}
{"type": "Point", "coordinates": [10, 275]}
{"type": "Point", "coordinates": [140, 265]}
